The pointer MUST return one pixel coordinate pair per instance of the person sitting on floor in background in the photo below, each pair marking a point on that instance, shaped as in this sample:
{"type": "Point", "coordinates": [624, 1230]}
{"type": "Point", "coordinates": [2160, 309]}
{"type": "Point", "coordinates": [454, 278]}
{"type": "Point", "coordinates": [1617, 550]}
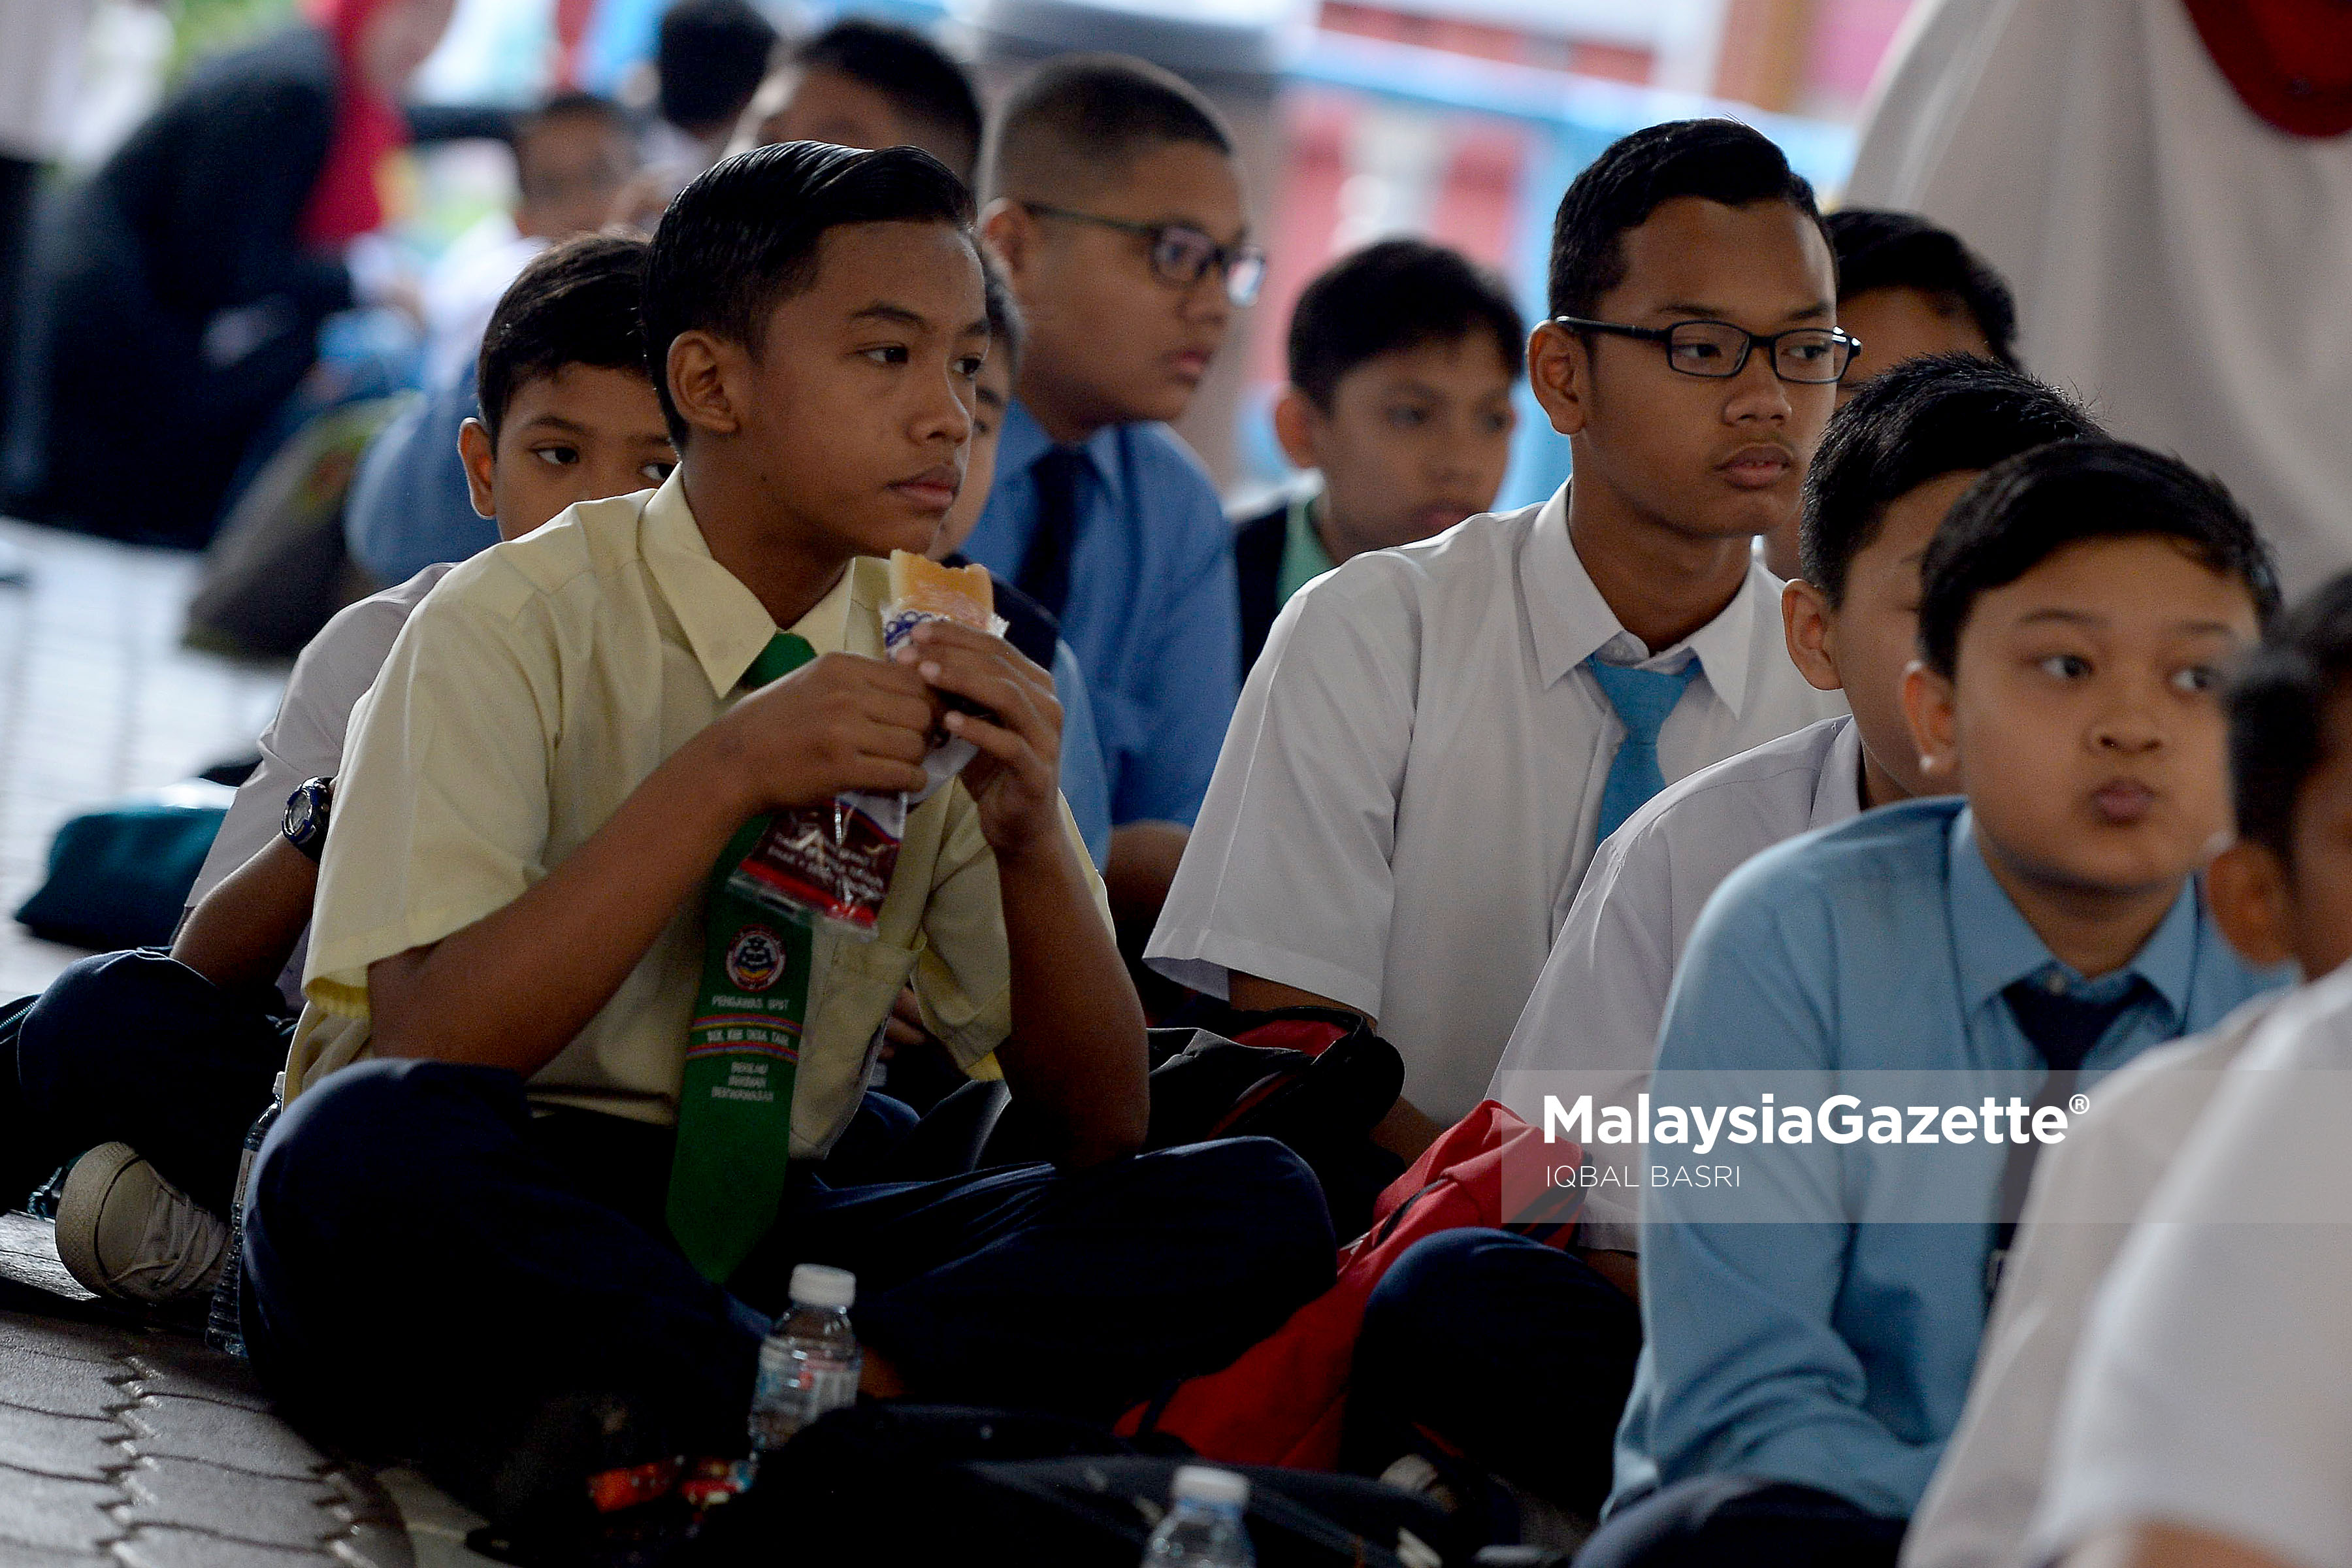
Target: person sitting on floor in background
{"type": "Point", "coordinates": [1119, 219]}
{"type": "Point", "coordinates": [410, 506]}
{"type": "Point", "coordinates": [143, 1071]}
{"type": "Point", "coordinates": [1437, 737]}
{"type": "Point", "coordinates": [1892, 462]}
{"type": "Point", "coordinates": [573, 1099]}
{"type": "Point", "coordinates": [862, 83]}
{"type": "Point", "coordinates": [1811, 1333]}
{"type": "Point", "coordinates": [1906, 288]}
{"type": "Point", "coordinates": [1402, 360]}
{"type": "Point", "coordinates": [2282, 892]}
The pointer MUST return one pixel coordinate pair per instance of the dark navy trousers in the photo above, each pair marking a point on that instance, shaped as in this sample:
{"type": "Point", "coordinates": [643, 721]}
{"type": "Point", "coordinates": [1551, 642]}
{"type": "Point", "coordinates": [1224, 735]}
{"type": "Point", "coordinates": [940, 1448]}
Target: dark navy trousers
{"type": "Point", "coordinates": [429, 1267]}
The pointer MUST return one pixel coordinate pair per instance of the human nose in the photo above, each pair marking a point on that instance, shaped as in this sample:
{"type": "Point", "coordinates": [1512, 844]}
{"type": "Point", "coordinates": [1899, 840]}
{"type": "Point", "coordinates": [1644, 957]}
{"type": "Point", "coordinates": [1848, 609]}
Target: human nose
{"type": "Point", "coordinates": [2127, 727]}
{"type": "Point", "coordinates": [1757, 393]}
{"type": "Point", "coordinates": [946, 414]}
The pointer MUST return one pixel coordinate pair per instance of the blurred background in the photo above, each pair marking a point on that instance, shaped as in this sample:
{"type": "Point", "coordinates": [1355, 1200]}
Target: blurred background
{"type": "Point", "coordinates": [1458, 120]}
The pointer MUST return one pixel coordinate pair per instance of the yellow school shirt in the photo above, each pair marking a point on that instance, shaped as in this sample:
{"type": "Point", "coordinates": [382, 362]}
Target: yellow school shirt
{"type": "Point", "coordinates": [530, 694]}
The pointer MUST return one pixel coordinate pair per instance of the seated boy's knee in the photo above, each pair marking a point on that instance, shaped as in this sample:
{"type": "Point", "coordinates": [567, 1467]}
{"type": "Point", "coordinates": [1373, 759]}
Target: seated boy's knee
{"type": "Point", "coordinates": [119, 1000]}
{"type": "Point", "coordinates": [377, 1125]}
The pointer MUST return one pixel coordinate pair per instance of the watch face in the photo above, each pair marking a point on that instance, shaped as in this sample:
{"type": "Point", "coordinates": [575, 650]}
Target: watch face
{"type": "Point", "coordinates": [301, 811]}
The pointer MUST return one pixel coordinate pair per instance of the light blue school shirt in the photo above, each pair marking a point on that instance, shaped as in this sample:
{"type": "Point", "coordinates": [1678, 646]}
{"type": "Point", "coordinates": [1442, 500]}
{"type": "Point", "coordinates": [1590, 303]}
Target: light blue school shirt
{"type": "Point", "coordinates": [1837, 1355]}
{"type": "Point", "coordinates": [1152, 609]}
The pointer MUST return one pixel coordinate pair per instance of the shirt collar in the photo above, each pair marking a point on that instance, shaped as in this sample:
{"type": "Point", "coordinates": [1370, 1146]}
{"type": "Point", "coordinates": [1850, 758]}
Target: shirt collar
{"type": "Point", "coordinates": [1996, 947]}
{"type": "Point", "coordinates": [1571, 621]}
{"type": "Point", "coordinates": [1025, 441]}
{"type": "Point", "coordinates": [1837, 794]}
{"type": "Point", "coordinates": [724, 622]}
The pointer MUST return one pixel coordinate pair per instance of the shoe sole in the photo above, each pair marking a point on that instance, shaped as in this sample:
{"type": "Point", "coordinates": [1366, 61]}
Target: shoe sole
{"type": "Point", "coordinates": [79, 1206]}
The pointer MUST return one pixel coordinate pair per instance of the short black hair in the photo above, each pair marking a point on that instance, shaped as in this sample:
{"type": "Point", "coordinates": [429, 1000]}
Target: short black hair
{"type": "Point", "coordinates": [1079, 119]}
{"type": "Point", "coordinates": [1878, 249]}
{"type": "Point", "coordinates": [709, 58]}
{"type": "Point", "coordinates": [575, 304]}
{"type": "Point", "coordinates": [1716, 160]}
{"type": "Point", "coordinates": [1397, 294]}
{"type": "Point", "coordinates": [742, 238]}
{"type": "Point", "coordinates": [2026, 509]}
{"type": "Point", "coordinates": [918, 78]}
{"type": "Point", "coordinates": [2278, 703]}
{"type": "Point", "coordinates": [1929, 416]}
{"type": "Point", "coordinates": [1008, 334]}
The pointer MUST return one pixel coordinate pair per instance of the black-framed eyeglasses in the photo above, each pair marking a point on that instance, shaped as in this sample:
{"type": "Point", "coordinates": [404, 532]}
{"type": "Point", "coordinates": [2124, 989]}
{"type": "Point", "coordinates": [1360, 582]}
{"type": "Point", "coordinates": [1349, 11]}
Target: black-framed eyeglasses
{"type": "Point", "coordinates": [1181, 254]}
{"type": "Point", "coordinates": [1810, 356]}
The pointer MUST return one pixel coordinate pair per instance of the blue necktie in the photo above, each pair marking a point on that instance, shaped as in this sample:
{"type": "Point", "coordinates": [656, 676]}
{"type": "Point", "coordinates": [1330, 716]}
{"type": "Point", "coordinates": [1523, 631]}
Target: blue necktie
{"type": "Point", "coordinates": [1642, 698]}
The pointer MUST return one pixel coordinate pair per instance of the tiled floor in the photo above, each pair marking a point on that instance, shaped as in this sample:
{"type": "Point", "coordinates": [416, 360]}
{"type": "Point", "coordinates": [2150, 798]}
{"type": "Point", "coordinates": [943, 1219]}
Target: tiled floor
{"type": "Point", "coordinates": [97, 698]}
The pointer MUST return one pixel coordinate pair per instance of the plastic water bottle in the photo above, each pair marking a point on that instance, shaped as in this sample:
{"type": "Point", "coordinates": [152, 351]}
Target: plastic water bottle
{"type": "Point", "coordinates": [1204, 1528]}
{"type": "Point", "coordinates": [810, 1363]}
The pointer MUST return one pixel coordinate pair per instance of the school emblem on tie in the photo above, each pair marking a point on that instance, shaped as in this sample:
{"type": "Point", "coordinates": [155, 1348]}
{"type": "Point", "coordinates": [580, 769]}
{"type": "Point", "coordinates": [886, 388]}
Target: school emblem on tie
{"type": "Point", "coordinates": [742, 1052]}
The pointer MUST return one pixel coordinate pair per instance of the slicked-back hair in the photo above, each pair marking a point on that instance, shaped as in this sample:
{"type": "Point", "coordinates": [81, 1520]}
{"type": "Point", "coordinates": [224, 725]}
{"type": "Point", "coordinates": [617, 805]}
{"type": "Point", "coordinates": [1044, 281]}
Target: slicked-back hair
{"type": "Point", "coordinates": [1716, 160]}
{"type": "Point", "coordinates": [2026, 509]}
{"type": "Point", "coordinates": [1077, 120]}
{"type": "Point", "coordinates": [1937, 415]}
{"type": "Point", "coordinates": [574, 303]}
{"type": "Point", "coordinates": [743, 237]}
{"type": "Point", "coordinates": [1397, 294]}
{"type": "Point", "coordinates": [709, 58]}
{"type": "Point", "coordinates": [1008, 333]}
{"type": "Point", "coordinates": [1879, 249]}
{"type": "Point", "coordinates": [915, 76]}
{"type": "Point", "coordinates": [2278, 701]}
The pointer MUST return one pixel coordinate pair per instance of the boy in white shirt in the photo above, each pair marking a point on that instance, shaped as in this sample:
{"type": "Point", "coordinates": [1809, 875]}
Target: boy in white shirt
{"type": "Point", "coordinates": [1436, 736]}
{"type": "Point", "coordinates": [1891, 465]}
{"type": "Point", "coordinates": [2283, 890]}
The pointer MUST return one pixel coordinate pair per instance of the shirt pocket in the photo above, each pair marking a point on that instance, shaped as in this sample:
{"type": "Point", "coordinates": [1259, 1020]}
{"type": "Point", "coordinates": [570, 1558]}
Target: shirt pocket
{"type": "Point", "coordinates": [861, 980]}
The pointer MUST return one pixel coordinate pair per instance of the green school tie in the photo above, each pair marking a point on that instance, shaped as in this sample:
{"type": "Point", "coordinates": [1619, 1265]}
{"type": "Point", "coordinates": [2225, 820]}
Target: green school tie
{"type": "Point", "coordinates": [742, 1051]}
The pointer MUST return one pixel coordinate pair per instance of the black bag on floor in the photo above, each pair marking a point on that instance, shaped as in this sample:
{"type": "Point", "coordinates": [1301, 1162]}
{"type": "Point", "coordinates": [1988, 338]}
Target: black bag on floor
{"type": "Point", "coordinates": [891, 1484]}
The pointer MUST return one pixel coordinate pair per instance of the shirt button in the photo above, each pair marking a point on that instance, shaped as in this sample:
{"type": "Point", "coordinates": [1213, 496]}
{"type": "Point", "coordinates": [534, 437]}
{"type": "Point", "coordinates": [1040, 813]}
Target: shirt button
{"type": "Point", "coordinates": [2054, 983]}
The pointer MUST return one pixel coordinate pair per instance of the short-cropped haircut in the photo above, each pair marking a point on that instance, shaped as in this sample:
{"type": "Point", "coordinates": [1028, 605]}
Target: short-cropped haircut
{"type": "Point", "coordinates": [1397, 294]}
{"type": "Point", "coordinates": [1078, 120]}
{"type": "Point", "coordinates": [915, 74]}
{"type": "Point", "coordinates": [575, 304]}
{"type": "Point", "coordinates": [1878, 249]}
{"type": "Point", "coordinates": [2278, 700]}
{"type": "Point", "coordinates": [1716, 160]}
{"type": "Point", "coordinates": [709, 58]}
{"type": "Point", "coordinates": [1918, 421]}
{"type": "Point", "coordinates": [743, 237]}
{"type": "Point", "coordinates": [2028, 507]}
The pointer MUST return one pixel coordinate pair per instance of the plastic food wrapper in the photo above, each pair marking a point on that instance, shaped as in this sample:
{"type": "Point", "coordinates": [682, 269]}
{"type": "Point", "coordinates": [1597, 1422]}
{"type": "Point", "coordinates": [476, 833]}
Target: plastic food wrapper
{"type": "Point", "coordinates": [831, 864]}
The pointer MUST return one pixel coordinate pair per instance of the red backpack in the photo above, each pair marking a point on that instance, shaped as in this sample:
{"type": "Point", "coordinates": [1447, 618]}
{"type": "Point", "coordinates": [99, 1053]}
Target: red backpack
{"type": "Point", "coordinates": [1282, 1401]}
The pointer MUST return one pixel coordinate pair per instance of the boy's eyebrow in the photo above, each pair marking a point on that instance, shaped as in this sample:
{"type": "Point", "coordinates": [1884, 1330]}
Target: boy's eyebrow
{"type": "Point", "coordinates": [884, 310]}
{"type": "Point", "coordinates": [1815, 311]}
{"type": "Point", "coordinates": [551, 421]}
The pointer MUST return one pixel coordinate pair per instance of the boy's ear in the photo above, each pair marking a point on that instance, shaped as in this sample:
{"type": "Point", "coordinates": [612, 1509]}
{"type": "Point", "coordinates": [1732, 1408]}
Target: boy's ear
{"type": "Point", "coordinates": [481, 466]}
{"type": "Point", "coordinates": [1810, 628]}
{"type": "Point", "coordinates": [1010, 234]}
{"type": "Point", "coordinates": [705, 375]}
{"type": "Point", "coordinates": [1560, 369]}
{"type": "Point", "coordinates": [2246, 888]}
{"type": "Point", "coordinates": [1295, 418]}
{"type": "Point", "coordinates": [1929, 708]}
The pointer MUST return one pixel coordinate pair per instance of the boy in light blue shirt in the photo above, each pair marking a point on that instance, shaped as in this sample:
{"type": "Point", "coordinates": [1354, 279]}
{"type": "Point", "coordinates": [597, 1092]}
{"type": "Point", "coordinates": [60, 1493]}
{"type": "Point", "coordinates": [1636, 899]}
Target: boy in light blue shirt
{"type": "Point", "coordinates": [1801, 1376]}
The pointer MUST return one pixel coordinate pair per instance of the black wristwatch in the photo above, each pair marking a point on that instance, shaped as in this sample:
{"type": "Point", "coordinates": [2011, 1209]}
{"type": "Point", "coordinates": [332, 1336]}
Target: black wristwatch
{"type": "Point", "coordinates": [306, 817]}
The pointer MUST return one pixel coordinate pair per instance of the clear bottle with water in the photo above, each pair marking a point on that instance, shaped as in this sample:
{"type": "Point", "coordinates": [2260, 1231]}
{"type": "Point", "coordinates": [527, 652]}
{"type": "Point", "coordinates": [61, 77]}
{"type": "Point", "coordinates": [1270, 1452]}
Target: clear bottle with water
{"type": "Point", "coordinates": [810, 1363]}
{"type": "Point", "coordinates": [1204, 1526]}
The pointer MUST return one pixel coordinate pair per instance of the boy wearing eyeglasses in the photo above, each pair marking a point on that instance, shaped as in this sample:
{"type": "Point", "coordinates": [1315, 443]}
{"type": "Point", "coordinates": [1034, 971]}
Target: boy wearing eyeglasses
{"type": "Point", "coordinates": [1435, 737]}
{"type": "Point", "coordinates": [1119, 217]}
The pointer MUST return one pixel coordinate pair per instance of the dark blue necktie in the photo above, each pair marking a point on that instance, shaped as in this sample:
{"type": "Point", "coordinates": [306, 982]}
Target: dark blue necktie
{"type": "Point", "coordinates": [1642, 698]}
{"type": "Point", "coordinates": [1044, 573]}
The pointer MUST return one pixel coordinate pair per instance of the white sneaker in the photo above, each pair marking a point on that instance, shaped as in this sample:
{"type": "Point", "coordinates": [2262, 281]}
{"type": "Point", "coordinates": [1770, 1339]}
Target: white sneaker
{"type": "Point", "coordinates": [124, 1231]}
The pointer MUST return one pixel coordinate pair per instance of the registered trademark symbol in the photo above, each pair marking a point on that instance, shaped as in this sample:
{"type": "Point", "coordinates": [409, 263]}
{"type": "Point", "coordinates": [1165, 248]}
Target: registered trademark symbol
{"type": "Point", "coordinates": [2079, 1104]}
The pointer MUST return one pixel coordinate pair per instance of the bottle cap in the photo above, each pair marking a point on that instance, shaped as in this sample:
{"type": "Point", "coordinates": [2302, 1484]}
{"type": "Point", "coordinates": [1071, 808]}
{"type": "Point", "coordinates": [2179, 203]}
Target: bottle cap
{"type": "Point", "coordinates": [1200, 1483]}
{"type": "Point", "coordinates": [814, 1285]}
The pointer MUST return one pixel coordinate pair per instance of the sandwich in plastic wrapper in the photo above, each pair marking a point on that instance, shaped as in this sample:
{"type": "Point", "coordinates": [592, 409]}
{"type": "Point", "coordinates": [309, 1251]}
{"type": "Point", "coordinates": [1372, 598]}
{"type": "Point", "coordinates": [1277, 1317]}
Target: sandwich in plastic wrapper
{"type": "Point", "coordinates": [831, 864]}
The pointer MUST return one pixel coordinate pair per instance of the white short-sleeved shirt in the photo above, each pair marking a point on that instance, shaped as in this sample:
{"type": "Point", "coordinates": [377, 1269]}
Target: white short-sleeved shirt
{"type": "Point", "coordinates": [306, 739]}
{"type": "Point", "coordinates": [529, 697]}
{"type": "Point", "coordinates": [1410, 787]}
{"type": "Point", "coordinates": [2213, 1385]}
{"type": "Point", "coordinates": [2086, 1192]}
{"type": "Point", "coordinates": [1596, 1008]}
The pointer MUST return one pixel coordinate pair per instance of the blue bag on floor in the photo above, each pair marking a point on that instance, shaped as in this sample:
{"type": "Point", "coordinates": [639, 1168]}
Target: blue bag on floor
{"type": "Point", "coordinates": [119, 876]}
